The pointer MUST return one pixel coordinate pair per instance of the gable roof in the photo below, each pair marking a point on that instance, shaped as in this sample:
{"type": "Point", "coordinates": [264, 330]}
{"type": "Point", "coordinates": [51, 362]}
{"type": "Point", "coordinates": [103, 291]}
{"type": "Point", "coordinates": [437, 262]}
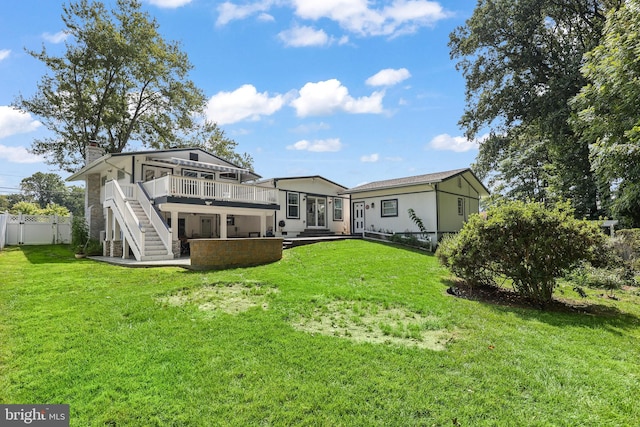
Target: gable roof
{"type": "Point", "coordinates": [247, 174]}
{"type": "Point", "coordinates": [430, 178]}
{"type": "Point", "coordinates": [275, 180]}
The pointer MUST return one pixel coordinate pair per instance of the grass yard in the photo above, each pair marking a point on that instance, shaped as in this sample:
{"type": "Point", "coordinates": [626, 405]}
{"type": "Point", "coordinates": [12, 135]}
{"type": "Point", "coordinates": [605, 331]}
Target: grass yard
{"type": "Point", "coordinates": [335, 334]}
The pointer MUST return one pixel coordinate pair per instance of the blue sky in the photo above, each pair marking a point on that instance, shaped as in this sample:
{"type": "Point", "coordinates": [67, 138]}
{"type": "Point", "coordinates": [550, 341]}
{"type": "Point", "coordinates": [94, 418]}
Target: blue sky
{"type": "Point", "coordinates": [353, 90]}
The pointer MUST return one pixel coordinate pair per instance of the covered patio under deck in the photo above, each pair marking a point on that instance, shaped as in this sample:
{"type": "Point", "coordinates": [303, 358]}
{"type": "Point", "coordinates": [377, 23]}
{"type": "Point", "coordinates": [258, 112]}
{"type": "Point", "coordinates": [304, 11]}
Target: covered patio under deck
{"type": "Point", "coordinates": [188, 221]}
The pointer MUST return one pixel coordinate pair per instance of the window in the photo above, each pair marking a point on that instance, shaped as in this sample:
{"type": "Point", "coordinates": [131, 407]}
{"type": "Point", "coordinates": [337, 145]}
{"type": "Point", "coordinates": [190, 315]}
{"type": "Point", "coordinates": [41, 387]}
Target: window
{"type": "Point", "coordinates": [153, 172]}
{"type": "Point", "coordinates": [337, 209]}
{"type": "Point", "coordinates": [293, 205]}
{"type": "Point", "coordinates": [229, 175]}
{"type": "Point", "coordinates": [197, 174]}
{"type": "Point", "coordinates": [389, 207]}
{"type": "Point", "coordinates": [460, 206]}
{"type": "Point", "coordinates": [193, 156]}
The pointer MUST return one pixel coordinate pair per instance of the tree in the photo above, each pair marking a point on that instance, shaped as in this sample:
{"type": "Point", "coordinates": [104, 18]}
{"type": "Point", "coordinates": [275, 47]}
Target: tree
{"type": "Point", "coordinates": [44, 188]}
{"type": "Point", "coordinates": [527, 243]}
{"type": "Point", "coordinates": [27, 208]}
{"type": "Point", "coordinates": [74, 200]}
{"type": "Point", "coordinates": [521, 60]}
{"type": "Point", "coordinates": [608, 111]}
{"type": "Point", "coordinates": [517, 167]}
{"type": "Point", "coordinates": [8, 200]}
{"type": "Point", "coordinates": [118, 81]}
{"type": "Point", "coordinates": [212, 139]}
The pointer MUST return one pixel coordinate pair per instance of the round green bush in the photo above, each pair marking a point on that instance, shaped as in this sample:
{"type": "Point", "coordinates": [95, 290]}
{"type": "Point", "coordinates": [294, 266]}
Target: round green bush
{"type": "Point", "coordinates": [528, 243]}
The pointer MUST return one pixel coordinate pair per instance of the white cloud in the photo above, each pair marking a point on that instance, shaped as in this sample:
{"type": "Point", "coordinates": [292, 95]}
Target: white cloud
{"type": "Point", "coordinates": [388, 77]}
{"type": "Point", "coordinates": [402, 16]}
{"type": "Point", "coordinates": [371, 158]}
{"type": "Point", "coordinates": [4, 54]}
{"type": "Point", "coordinates": [56, 38]}
{"type": "Point", "coordinates": [244, 103]}
{"type": "Point", "coordinates": [228, 11]}
{"type": "Point", "coordinates": [355, 16]}
{"type": "Point", "coordinates": [329, 96]}
{"type": "Point", "coordinates": [312, 127]}
{"type": "Point", "coordinates": [318, 145]}
{"type": "Point", "coordinates": [265, 17]}
{"type": "Point", "coordinates": [304, 37]}
{"type": "Point", "coordinates": [13, 122]}
{"type": "Point", "coordinates": [18, 155]}
{"type": "Point", "coordinates": [169, 4]}
{"type": "Point", "coordinates": [458, 144]}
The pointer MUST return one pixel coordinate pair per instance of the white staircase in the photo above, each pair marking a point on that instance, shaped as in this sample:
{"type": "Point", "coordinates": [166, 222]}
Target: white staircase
{"type": "Point", "coordinates": [139, 222]}
{"type": "Point", "coordinates": [153, 248]}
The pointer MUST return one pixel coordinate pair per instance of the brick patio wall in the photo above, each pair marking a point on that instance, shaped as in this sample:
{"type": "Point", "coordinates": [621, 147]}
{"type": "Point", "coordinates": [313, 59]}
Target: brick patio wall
{"type": "Point", "coordinates": [218, 254]}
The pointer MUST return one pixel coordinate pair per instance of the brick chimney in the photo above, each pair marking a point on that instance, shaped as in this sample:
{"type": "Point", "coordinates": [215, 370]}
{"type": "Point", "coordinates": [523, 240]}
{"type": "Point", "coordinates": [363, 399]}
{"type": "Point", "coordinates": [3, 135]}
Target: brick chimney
{"type": "Point", "coordinates": [93, 210]}
{"type": "Point", "coordinates": [92, 152]}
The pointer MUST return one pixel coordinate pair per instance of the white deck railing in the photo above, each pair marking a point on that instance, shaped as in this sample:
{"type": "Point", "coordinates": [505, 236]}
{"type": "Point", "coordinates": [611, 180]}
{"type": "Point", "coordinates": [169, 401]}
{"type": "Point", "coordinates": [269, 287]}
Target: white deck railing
{"type": "Point", "coordinates": [180, 186]}
{"type": "Point", "coordinates": [157, 222]}
{"type": "Point", "coordinates": [117, 195]}
{"type": "Point", "coordinates": [115, 198]}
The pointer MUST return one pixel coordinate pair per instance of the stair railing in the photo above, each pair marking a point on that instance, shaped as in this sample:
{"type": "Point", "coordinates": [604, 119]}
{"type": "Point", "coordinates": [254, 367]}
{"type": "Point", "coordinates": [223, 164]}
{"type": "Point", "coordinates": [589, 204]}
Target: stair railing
{"type": "Point", "coordinates": [133, 231]}
{"type": "Point", "coordinates": [157, 222]}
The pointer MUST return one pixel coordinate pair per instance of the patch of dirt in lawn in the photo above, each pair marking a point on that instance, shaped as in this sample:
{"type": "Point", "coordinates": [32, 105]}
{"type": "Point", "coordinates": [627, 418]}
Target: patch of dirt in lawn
{"type": "Point", "coordinates": [375, 323]}
{"type": "Point", "coordinates": [230, 298]}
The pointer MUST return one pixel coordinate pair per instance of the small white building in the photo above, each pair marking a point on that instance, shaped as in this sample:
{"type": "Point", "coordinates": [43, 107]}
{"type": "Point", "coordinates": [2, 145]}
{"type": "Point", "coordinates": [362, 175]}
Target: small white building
{"type": "Point", "coordinates": [443, 201]}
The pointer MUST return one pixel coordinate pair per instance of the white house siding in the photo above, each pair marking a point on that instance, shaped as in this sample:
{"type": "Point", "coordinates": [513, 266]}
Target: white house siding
{"type": "Point", "coordinates": [307, 186]}
{"type": "Point", "coordinates": [449, 193]}
{"type": "Point", "coordinates": [420, 198]}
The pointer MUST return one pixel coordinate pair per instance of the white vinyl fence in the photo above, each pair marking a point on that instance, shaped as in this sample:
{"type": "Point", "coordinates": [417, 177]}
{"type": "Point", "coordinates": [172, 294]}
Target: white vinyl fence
{"type": "Point", "coordinates": [3, 229]}
{"type": "Point", "coordinates": [34, 229]}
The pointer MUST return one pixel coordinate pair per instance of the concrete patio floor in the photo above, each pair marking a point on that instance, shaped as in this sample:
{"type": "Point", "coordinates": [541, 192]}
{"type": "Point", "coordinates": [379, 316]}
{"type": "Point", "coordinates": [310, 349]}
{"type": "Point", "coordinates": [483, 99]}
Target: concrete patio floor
{"type": "Point", "coordinates": [185, 262]}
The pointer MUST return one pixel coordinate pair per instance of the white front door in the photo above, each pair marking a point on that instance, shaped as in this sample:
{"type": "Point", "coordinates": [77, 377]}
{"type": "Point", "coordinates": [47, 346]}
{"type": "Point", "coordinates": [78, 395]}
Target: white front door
{"type": "Point", "coordinates": [316, 212]}
{"type": "Point", "coordinates": [358, 217]}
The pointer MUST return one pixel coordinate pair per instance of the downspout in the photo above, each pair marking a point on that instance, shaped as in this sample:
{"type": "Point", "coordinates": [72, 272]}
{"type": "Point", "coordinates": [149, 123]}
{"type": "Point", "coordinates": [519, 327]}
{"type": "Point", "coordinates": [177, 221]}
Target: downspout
{"type": "Point", "coordinates": [437, 214]}
{"type": "Point", "coordinates": [275, 211]}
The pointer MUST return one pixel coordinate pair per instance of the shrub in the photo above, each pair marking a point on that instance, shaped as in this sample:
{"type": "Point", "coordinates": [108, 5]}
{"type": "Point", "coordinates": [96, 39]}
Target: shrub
{"type": "Point", "coordinates": [79, 233]}
{"type": "Point", "coordinates": [525, 242]}
{"type": "Point", "coordinates": [626, 244]}
{"type": "Point", "coordinates": [462, 262]}
{"type": "Point", "coordinates": [609, 278]}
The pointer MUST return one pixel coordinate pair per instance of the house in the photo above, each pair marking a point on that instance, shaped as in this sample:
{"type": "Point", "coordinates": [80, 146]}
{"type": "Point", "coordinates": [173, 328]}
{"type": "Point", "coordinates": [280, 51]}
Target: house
{"type": "Point", "coordinates": [310, 206]}
{"type": "Point", "coordinates": [150, 203]}
{"type": "Point", "coordinates": [443, 201]}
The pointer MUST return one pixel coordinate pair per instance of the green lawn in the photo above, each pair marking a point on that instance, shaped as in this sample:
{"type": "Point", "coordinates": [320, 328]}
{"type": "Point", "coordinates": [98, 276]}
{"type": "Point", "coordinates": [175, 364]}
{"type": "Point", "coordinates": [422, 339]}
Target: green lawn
{"type": "Point", "coordinates": [343, 333]}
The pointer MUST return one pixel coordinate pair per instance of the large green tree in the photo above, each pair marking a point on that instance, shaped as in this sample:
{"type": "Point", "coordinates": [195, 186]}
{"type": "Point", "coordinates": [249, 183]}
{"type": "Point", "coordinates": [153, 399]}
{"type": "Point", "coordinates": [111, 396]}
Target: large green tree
{"type": "Point", "coordinates": [521, 60]}
{"type": "Point", "coordinates": [118, 81]}
{"type": "Point", "coordinates": [44, 188]}
{"type": "Point", "coordinates": [608, 109]}
{"type": "Point", "coordinates": [48, 189]}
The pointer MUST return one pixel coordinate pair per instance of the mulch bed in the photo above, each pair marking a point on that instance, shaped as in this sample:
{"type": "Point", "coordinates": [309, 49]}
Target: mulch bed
{"type": "Point", "coordinates": [508, 297]}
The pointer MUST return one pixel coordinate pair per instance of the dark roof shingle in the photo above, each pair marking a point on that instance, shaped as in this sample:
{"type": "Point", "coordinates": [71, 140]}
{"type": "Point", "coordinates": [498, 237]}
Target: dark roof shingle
{"type": "Point", "coordinates": [410, 180]}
